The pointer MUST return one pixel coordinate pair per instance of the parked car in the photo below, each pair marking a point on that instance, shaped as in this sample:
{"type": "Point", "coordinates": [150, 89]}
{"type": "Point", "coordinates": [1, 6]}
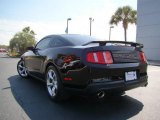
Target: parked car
{"type": "Point", "coordinates": [79, 64]}
{"type": "Point", "coordinates": [2, 50]}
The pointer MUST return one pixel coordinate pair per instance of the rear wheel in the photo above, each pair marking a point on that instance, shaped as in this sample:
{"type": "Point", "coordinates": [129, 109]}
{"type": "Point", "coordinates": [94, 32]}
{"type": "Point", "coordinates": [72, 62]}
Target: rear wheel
{"type": "Point", "coordinates": [54, 85]}
{"type": "Point", "coordinates": [22, 70]}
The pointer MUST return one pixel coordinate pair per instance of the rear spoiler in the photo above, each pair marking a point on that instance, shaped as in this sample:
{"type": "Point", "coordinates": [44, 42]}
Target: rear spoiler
{"type": "Point", "coordinates": [103, 43]}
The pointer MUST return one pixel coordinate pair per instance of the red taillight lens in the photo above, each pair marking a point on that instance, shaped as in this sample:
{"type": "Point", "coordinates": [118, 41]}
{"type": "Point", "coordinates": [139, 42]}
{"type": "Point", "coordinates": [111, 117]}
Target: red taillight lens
{"type": "Point", "coordinates": [102, 57]}
{"type": "Point", "coordinates": [142, 56]}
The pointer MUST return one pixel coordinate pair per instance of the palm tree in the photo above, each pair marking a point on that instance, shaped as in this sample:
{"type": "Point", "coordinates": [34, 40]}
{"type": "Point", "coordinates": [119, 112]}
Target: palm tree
{"type": "Point", "coordinates": [125, 15]}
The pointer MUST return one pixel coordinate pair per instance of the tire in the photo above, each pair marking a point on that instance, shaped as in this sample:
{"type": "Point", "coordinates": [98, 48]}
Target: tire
{"type": "Point", "coordinates": [54, 85]}
{"type": "Point", "coordinates": [22, 70]}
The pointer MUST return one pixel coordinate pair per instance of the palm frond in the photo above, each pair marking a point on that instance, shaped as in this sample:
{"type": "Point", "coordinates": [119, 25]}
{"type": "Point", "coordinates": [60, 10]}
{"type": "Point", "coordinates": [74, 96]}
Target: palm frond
{"type": "Point", "coordinates": [125, 15]}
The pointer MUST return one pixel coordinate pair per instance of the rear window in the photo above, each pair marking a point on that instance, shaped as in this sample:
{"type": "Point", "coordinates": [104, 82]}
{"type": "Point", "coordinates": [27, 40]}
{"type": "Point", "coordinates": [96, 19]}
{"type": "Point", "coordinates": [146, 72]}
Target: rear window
{"type": "Point", "coordinates": [79, 39]}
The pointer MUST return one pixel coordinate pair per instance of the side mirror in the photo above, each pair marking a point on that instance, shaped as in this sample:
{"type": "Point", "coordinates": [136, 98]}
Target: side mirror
{"type": "Point", "coordinates": [31, 48]}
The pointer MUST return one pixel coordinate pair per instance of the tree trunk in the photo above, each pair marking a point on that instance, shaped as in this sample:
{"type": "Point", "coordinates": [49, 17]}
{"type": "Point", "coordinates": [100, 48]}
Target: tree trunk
{"type": "Point", "coordinates": [125, 34]}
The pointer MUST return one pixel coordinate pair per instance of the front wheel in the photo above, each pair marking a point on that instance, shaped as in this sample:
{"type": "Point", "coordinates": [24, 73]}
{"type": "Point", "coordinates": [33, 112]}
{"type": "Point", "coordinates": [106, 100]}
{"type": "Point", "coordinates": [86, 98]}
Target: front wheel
{"type": "Point", "coordinates": [54, 85]}
{"type": "Point", "coordinates": [22, 70]}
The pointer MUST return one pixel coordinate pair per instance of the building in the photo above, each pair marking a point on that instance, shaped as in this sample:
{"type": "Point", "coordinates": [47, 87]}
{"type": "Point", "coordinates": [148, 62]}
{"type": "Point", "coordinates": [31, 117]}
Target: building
{"type": "Point", "coordinates": [148, 27]}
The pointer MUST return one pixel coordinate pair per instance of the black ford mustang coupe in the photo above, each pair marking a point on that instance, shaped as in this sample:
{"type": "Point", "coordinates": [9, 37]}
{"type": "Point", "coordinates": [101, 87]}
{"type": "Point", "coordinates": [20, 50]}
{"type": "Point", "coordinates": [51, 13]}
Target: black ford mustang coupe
{"type": "Point", "coordinates": [81, 64]}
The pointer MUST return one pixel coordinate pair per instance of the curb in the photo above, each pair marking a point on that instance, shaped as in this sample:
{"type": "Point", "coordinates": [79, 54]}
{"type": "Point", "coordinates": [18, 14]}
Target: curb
{"type": "Point", "coordinates": [154, 63]}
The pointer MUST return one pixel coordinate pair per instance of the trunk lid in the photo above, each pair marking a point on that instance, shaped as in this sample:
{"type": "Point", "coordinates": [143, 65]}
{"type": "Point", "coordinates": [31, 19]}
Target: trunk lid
{"type": "Point", "coordinates": [119, 53]}
{"type": "Point", "coordinates": [125, 56]}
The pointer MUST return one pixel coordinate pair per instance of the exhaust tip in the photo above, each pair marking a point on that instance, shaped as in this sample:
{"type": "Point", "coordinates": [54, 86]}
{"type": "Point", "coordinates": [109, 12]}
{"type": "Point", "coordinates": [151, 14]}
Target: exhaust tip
{"type": "Point", "coordinates": [101, 94]}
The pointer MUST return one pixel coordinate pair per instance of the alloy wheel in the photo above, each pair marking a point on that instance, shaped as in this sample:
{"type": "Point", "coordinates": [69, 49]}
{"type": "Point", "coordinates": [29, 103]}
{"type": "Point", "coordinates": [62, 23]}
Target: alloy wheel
{"type": "Point", "coordinates": [22, 70]}
{"type": "Point", "coordinates": [52, 83]}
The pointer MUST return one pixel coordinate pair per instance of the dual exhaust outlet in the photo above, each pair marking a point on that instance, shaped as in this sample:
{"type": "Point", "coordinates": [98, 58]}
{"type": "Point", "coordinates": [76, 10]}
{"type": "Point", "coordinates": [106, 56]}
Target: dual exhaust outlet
{"type": "Point", "coordinates": [101, 94]}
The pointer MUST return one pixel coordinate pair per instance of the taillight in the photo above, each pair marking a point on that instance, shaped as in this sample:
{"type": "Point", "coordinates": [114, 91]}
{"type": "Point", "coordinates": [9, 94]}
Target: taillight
{"type": "Point", "coordinates": [102, 57]}
{"type": "Point", "coordinates": [142, 56]}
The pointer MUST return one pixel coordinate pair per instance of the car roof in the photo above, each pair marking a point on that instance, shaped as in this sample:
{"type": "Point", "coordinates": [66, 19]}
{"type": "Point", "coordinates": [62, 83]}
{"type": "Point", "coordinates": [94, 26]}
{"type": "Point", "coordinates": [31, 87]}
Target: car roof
{"type": "Point", "coordinates": [75, 39]}
{"type": "Point", "coordinates": [67, 35]}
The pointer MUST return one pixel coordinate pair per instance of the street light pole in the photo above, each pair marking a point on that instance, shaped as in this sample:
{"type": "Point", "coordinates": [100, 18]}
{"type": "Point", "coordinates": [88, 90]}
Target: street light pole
{"type": "Point", "coordinates": [110, 32]}
{"type": "Point", "coordinates": [67, 25]}
{"type": "Point", "coordinates": [91, 20]}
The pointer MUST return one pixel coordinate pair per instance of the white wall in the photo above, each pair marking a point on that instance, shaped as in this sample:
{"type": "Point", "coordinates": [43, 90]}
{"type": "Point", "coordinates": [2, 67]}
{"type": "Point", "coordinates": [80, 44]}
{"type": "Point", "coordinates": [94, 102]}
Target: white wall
{"type": "Point", "coordinates": [148, 27]}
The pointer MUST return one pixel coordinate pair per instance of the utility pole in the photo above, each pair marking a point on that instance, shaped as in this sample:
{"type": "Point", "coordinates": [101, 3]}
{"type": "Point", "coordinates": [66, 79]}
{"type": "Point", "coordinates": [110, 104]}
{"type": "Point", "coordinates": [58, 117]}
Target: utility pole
{"type": "Point", "coordinates": [110, 32]}
{"type": "Point", "coordinates": [67, 25]}
{"type": "Point", "coordinates": [91, 20]}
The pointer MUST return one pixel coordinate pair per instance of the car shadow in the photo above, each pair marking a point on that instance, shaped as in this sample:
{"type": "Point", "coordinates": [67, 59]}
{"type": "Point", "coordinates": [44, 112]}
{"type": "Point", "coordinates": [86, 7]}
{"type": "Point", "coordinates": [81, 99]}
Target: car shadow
{"type": "Point", "coordinates": [32, 97]}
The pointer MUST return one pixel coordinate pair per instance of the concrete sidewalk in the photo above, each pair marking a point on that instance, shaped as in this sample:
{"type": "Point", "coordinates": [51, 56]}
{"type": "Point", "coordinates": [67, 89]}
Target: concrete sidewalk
{"type": "Point", "coordinates": [154, 62]}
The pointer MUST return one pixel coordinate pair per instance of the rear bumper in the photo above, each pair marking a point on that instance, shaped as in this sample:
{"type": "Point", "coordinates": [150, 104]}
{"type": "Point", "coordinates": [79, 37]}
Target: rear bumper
{"type": "Point", "coordinates": [112, 86]}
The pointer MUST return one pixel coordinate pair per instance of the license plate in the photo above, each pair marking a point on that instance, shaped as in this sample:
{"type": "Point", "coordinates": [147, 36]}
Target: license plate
{"type": "Point", "coordinates": [130, 75]}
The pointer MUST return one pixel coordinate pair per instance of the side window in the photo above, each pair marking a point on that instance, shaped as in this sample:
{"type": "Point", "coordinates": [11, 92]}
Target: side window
{"type": "Point", "coordinates": [43, 44]}
{"type": "Point", "coordinates": [55, 42]}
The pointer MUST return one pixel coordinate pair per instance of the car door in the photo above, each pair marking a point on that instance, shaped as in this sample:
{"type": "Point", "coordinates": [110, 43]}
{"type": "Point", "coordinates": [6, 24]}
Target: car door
{"type": "Point", "coordinates": [35, 61]}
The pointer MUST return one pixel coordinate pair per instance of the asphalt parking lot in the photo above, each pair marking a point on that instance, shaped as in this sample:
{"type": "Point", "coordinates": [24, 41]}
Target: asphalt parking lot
{"type": "Point", "coordinates": [27, 99]}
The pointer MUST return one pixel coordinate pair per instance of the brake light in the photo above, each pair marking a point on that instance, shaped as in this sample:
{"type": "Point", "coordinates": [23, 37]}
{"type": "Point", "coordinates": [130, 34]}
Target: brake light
{"type": "Point", "coordinates": [102, 57]}
{"type": "Point", "coordinates": [142, 56]}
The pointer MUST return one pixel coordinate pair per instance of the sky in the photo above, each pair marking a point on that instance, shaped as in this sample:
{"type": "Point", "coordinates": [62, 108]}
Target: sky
{"type": "Point", "coordinates": [47, 17]}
